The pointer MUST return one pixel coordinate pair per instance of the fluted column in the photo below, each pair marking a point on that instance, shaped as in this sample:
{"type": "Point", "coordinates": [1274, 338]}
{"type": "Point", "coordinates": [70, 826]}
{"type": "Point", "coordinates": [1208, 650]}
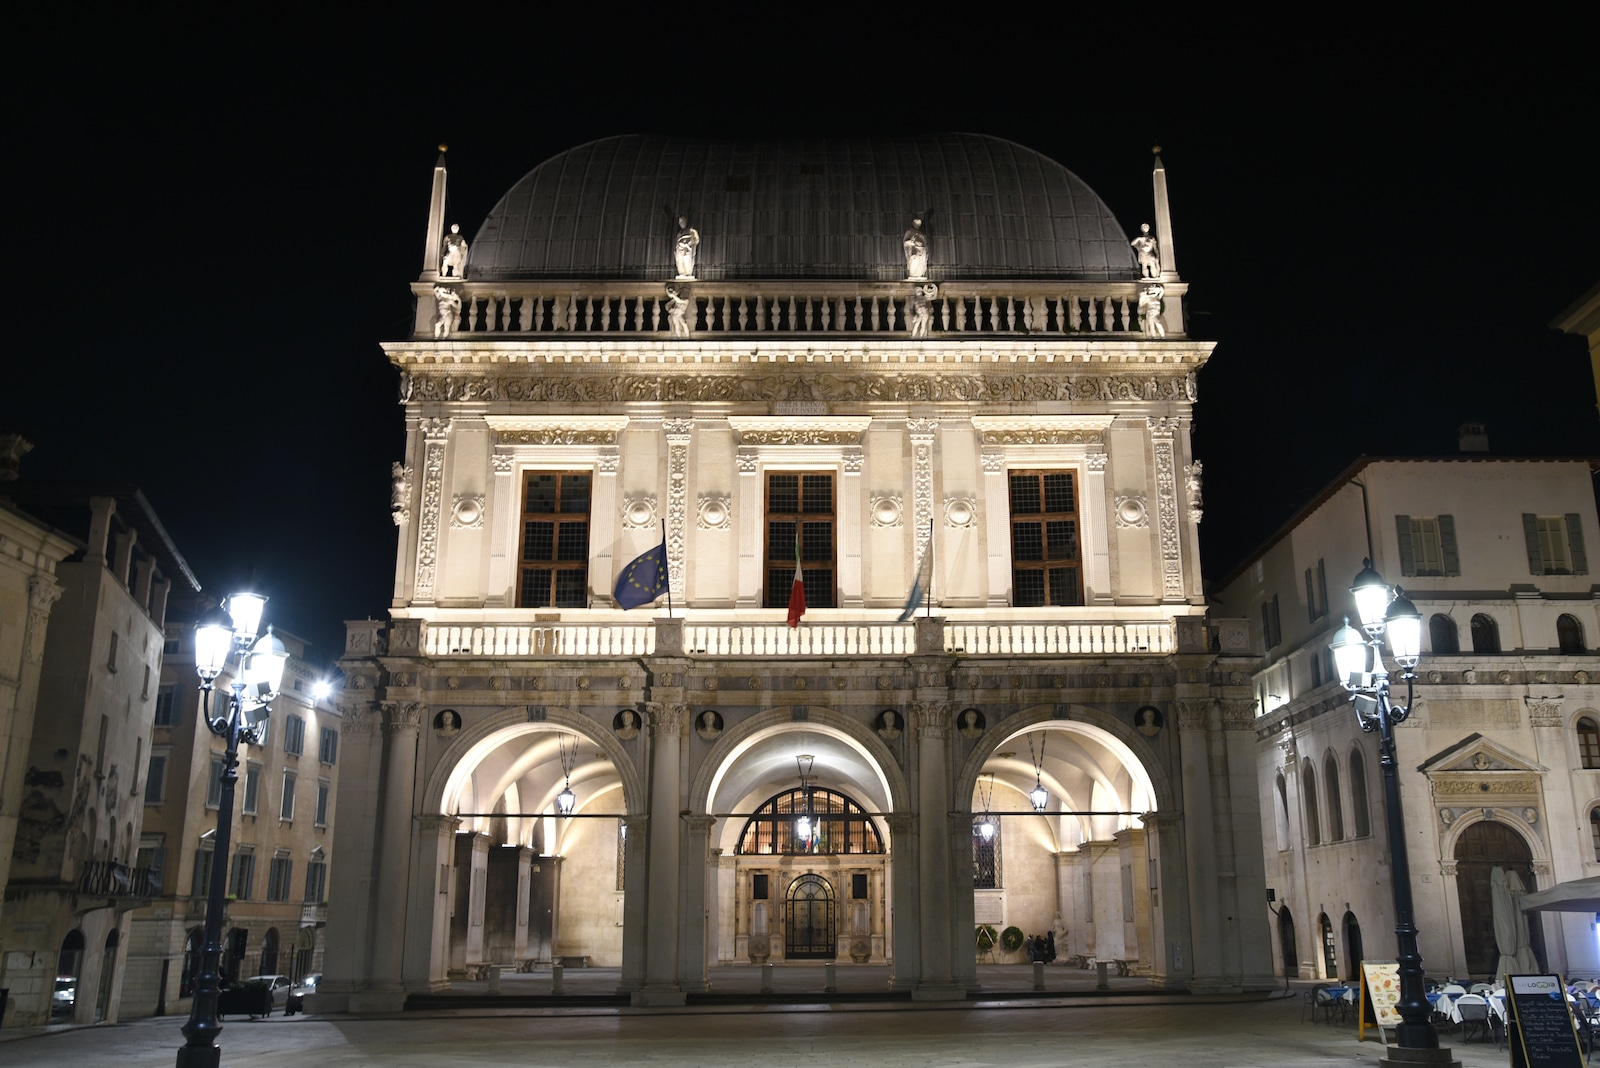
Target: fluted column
{"type": "Point", "coordinates": [661, 933]}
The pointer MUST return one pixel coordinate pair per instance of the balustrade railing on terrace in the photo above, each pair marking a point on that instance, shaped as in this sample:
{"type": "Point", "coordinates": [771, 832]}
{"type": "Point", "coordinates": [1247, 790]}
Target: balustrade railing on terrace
{"type": "Point", "coordinates": [110, 879]}
{"type": "Point", "coordinates": [720, 308]}
{"type": "Point", "coordinates": [728, 639]}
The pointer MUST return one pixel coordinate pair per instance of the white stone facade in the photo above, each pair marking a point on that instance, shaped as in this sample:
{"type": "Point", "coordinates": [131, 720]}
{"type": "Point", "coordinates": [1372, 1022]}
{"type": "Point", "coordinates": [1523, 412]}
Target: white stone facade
{"type": "Point", "coordinates": [1492, 768]}
{"type": "Point", "coordinates": [460, 711]}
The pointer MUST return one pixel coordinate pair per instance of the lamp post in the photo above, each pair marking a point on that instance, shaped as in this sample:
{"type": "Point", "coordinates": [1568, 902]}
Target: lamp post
{"type": "Point", "coordinates": [1359, 657]}
{"type": "Point", "coordinates": [254, 685]}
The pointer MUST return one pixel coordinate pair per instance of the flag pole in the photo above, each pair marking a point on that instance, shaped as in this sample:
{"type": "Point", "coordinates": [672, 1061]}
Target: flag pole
{"type": "Point", "coordinates": [667, 564]}
{"type": "Point", "coordinates": [929, 613]}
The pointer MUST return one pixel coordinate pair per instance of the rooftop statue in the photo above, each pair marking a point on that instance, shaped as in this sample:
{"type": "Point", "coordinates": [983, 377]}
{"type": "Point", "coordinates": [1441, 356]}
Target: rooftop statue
{"type": "Point", "coordinates": [1150, 310]}
{"type": "Point", "coordinates": [683, 249]}
{"type": "Point", "coordinates": [922, 309]}
{"type": "Point", "coordinates": [448, 304]}
{"type": "Point", "coordinates": [916, 243]}
{"type": "Point", "coordinates": [677, 305]}
{"type": "Point", "coordinates": [453, 261]}
{"type": "Point", "coordinates": [1148, 253]}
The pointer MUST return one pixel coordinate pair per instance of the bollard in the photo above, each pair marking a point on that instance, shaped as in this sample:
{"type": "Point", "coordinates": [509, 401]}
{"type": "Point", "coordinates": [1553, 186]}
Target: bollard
{"type": "Point", "coordinates": [766, 978]}
{"type": "Point", "coordinates": [557, 974]}
{"type": "Point", "coordinates": [1100, 976]}
{"type": "Point", "coordinates": [494, 978]}
{"type": "Point", "coordinates": [1038, 975]}
{"type": "Point", "coordinates": [829, 979]}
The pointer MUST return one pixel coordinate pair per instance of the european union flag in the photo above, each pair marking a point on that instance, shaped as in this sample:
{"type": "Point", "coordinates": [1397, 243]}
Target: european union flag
{"type": "Point", "coordinates": [644, 579]}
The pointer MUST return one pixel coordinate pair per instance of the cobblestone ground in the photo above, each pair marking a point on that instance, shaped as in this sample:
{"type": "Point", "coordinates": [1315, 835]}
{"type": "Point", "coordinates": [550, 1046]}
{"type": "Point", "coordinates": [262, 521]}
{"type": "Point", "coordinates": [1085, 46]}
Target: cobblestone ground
{"type": "Point", "coordinates": [1126, 1030]}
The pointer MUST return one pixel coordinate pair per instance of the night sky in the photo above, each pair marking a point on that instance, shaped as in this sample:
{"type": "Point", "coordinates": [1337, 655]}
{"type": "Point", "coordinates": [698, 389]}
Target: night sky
{"type": "Point", "coordinates": [218, 223]}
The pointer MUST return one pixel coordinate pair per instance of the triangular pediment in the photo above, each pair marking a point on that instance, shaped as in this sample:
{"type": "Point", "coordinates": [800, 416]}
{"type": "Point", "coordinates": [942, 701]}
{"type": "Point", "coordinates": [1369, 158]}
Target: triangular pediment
{"type": "Point", "coordinates": [1477, 755]}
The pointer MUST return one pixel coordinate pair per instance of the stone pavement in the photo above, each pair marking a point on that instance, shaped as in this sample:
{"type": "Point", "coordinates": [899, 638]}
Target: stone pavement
{"type": "Point", "coordinates": [1126, 1029]}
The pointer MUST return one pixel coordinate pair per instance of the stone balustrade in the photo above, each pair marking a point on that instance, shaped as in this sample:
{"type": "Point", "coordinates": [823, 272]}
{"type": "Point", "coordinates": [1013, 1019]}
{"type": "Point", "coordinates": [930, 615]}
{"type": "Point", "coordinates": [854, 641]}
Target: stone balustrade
{"type": "Point", "coordinates": [759, 639]}
{"type": "Point", "coordinates": [727, 308]}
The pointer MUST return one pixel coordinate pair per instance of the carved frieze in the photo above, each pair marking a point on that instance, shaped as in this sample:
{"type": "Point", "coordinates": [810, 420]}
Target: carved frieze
{"type": "Point", "coordinates": [921, 432]}
{"type": "Point", "coordinates": [800, 436]}
{"type": "Point", "coordinates": [556, 435]}
{"type": "Point", "coordinates": [1042, 437]}
{"type": "Point", "coordinates": [677, 432]}
{"type": "Point", "coordinates": [1498, 787]}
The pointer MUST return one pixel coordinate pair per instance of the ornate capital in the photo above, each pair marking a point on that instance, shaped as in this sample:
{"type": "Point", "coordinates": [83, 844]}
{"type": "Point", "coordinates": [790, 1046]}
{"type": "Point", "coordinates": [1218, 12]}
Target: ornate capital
{"type": "Point", "coordinates": [503, 465]}
{"type": "Point", "coordinates": [607, 461]}
{"type": "Point", "coordinates": [666, 719]}
{"type": "Point", "coordinates": [994, 461]}
{"type": "Point", "coordinates": [748, 461]}
{"type": "Point", "coordinates": [42, 593]}
{"type": "Point", "coordinates": [1544, 711]}
{"type": "Point", "coordinates": [853, 458]}
{"type": "Point", "coordinates": [1194, 715]}
{"type": "Point", "coordinates": [1162, 426]}
{"type": "Point", "coordinates": [1095, 461]}
{"type": "Point", "coordinates": [360, 718]}
{"type": "Point", "coordinates": [1238, 715]}
{"type": "Point", "coordinates": [677, 428]}
{"type": "Point", "coordinates": [1447, 868]}
{"type": "Point", "coordinates": [434, 428]}
{"type": "Point", "coordinates": [931, 719]}
{"type": "Point", "coordinates": [401, 716]}
{"type": "Point", "coordinates": [922, 428]}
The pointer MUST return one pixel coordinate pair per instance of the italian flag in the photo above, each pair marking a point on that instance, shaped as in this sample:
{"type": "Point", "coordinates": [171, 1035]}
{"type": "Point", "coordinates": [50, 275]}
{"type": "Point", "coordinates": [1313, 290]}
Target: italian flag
{"type": "Point", "coordinates": [797, 593]}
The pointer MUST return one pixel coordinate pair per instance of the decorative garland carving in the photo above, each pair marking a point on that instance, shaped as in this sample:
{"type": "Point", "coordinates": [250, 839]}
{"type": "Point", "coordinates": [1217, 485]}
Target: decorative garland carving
{"type": "Point", "coordinates": [921, 431]}
{"type": "Point", "coordinates": [800, 437]}
{"type": "Point", "coordinates": [677, 431]}
{"type": "Point", "coordinates": [1043, 437]}
{"type": "Point", "coordinates": [434, 431]}
{"type": "Point", "coordinates": [1167, 507]}
{"type": "Point", "coordinates": [556, 435]}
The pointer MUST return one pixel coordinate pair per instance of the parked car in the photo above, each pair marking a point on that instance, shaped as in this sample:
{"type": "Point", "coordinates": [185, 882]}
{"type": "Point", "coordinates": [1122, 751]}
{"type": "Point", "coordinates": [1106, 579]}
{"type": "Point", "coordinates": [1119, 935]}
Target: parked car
{"type": "Point", "coordinates": [64, 999]}
{"type": "Point", "coordinates": [277, 985]}
{"type": "Point", "coordinates": [307, 985]}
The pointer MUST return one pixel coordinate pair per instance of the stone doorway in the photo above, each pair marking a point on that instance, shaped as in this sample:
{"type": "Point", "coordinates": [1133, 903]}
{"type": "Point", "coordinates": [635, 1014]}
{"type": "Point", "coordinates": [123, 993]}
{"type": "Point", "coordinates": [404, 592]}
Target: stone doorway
{"type": "Point", "coordinates": [1481, 848]}
{"type": "Point", "coordinates": [810, 933]}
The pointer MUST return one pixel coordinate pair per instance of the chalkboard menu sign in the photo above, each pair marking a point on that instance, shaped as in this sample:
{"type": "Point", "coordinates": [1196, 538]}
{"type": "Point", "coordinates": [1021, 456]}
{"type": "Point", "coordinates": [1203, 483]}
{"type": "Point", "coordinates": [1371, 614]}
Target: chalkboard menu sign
{"type": "Point", "coordinates": [1543, 1034]}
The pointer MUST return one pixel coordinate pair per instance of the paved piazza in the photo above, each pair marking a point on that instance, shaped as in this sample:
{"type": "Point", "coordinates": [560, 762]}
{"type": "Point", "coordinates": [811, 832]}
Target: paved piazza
{"type": "Point", "coordinates": [1123, 1031]}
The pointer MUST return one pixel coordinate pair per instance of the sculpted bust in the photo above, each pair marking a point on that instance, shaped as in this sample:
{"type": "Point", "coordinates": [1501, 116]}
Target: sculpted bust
{"type": "Point", "coordinates": [684, 247]}
{"type": "Point", "coordinates": [916, 246]}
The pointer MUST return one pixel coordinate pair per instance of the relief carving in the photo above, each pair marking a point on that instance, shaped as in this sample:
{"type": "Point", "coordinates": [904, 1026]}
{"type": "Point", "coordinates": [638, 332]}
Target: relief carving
{"type": "Point", "coordinates": [932, 720]}
{"type": "Point", "coordinates": [42, 593]}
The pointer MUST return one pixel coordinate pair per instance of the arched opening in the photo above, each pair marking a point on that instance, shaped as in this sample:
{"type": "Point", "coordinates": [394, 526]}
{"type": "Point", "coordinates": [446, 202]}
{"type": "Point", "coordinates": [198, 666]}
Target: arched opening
{"type": "Point", "coordinates": [305, 948]}
{"type": "Point", "coordinates": [1353, 954]}
{"type": "Point", "coordinates": [1308, 787]}
{"type": "Point", "coordinates": [193, 947]}
{"type": "Point", "coordinates": [1482, 847]}
{"type": "Point", "coordinates": [1485, 634]}
{"type": "Point", "coordinates": [269, 952]}
{"type": "Point", "coordinates": [1569, 634]}
{"type": "Point", "coordinates": [809, 931]}
{"type": "Point", "coordinates": [1330, 772]}
{"type": "Point", "coordinates": [1358, 794]}
{"type": "Point", "coordinates": [1280, 811]}
{"type": "Point", "coordinates": [234, 950]}
{"type": "Point", "coordinates": [1442, 634]}
{"type": "Point", "coordinates": [1588, 742]}
{"type": "Point", "coordinates": [108, 974]}
{"type": "Point", "coordinates": [1330, 956]}
{"type": "Point", "coordinates": [1286, 946]}
{"type": "Point", "coordinates": [1594, 831]}
{"type": "Point", "coordinates": [69, 967]}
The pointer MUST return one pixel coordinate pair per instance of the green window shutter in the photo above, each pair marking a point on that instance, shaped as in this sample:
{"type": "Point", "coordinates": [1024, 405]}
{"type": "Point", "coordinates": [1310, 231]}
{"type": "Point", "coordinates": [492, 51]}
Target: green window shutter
{"type": "Point", "coordinates": [1530, 531]}
{"type": "Point", "coordinates": [1402, 527]}
{"type": "Point", "coordinates": [1447, 545]}
{"type": "Point", "coordinates": [1580, 561]}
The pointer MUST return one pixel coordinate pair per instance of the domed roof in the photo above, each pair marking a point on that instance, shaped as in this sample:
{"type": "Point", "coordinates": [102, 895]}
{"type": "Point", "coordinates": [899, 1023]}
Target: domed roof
{"type": "Point", "coordinates": [836, 208]}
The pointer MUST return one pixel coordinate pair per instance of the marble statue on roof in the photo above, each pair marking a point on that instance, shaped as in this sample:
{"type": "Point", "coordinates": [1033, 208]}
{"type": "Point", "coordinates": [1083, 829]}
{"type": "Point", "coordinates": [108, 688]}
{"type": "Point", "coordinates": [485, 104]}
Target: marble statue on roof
{"type": "Point", "coordinates": [447, 303]}
{"type": "Point", "coordinates": [1150, 310]}
{"type": "Point", "coordinates": [684, 247]}
{"type": "Point", "coordinates": [1148, 253]}
{"type": "Point", "coordinates": [922, 309]}
{"type": "Point", "coordinates": [677, 307]}
{"type": "Point", "coordinates": [916, 245]}
{"type": "Point", "coordinates": [453, 260]}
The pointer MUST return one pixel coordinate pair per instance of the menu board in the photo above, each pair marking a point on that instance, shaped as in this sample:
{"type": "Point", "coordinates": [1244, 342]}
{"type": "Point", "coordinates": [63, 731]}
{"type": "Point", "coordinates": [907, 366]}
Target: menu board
{"type": "Point", "coordinates": [1380, 989]}
{"type": "Point", "coordinates": [1543, 1034]}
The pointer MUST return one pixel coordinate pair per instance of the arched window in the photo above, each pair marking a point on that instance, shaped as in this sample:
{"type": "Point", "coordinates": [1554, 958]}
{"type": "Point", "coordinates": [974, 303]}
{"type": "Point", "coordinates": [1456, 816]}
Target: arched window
{"type": "Point", "coordinates": [1330, 772]}
{"type": "Point", "coordinates": [1569, 634]}
{"type": "Point", "coordinates": [269, 952]}
{"type": "Point", "coordinates": [1594, 831]}
{"type": "Point", "coordinates": [986, 852]}
{"type": "Point", "coordinates": [1308, 787]}
{"type": "Point", "coordinates": [1588, 742]}
{"type": "Point", "coordinates": [1281, 811]}
{"type": "Point", "coordinates": [1442, 635]}
{"type": "Point", "coordinates": [1358, 794]}
{"type": "Point", "coordinates": [1485, 635]}
{"type": "Point", "coordinates": [810, 820]}
{"type": "Point", "coordinates": [192, 948]}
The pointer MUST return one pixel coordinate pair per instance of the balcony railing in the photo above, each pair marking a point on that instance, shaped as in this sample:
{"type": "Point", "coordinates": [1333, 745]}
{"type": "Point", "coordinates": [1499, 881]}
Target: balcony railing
{"type": "Point", "coordinates": [723, 308]}
{"type": "Point", "coordinates": [107, 878]}
{"type": "Point", "coordinates": [760, 639]}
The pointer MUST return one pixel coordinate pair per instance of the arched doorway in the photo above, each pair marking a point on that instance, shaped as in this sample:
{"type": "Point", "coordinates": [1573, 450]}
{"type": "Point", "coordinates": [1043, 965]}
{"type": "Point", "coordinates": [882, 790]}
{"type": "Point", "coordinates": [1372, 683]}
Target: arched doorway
{"type": "Point", "coordinates": [69, 967]}
{"type": "Point", "coordinates": [269, 952]}
{"type": "Point", "coordinates": [1330, 956]}
{"type": "Point", "coordinates": [1353, 954]}
{"type": "Point", "coordinates": [1291, 955]}
{"type": "Point", "coordinates": [234, 950]}
{"type": "Point", "coordinates": [1481, 848]}
{"type": "Point", "coordinates": [305, 947]}
{"type": "Point", "coordinates": [193, 946]}
{"type": "Point", "coordinates": [108, 972]}
{"type": "Point", "coordinates": [809, 927]}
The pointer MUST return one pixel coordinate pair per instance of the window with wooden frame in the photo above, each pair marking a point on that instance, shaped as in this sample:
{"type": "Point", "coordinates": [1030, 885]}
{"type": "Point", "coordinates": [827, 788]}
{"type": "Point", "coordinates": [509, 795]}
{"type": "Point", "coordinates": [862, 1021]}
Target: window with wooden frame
{"type": "Point", "coordinates": [1044, 539]}
{"type": "Point", "coordinates": [803, 501]}
{"type": "Point", "coordinates": [553, 560]}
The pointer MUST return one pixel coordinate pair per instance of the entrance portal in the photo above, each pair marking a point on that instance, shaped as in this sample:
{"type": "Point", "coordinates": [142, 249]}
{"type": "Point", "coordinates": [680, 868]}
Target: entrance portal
{"type": "Point", "coordinates": [1480, 849]}
{"type": "Point", "coordinates": [810, 934]}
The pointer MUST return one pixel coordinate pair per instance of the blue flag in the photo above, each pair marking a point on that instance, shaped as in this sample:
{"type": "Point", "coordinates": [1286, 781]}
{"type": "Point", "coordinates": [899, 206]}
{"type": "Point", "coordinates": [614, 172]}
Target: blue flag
{"type": "Point", "coordinates": [644, 579]}
{"type": "Point", "coordinates": [919, 585]}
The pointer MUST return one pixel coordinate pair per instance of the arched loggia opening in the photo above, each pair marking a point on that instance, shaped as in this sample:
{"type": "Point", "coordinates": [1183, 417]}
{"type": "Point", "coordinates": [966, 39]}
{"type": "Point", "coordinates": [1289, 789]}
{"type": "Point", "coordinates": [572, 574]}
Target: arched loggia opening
{"type": "Point", "coordinates": [1075, 809]}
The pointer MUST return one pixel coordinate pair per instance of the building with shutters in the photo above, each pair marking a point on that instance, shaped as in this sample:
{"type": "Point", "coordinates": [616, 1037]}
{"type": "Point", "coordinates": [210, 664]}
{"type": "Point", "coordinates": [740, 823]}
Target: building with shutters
{"type": "Point", "coordinates": [931, 362]}
{"type": "Point", "coordinates": [1500, 762]}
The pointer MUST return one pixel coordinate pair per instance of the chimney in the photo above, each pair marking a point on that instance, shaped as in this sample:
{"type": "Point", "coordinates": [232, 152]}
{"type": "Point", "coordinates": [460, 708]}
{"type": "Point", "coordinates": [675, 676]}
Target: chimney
{"type": "Point", "coordinates": [1473, 437]}
{"type": "Point", "coordinates": [12, 447]}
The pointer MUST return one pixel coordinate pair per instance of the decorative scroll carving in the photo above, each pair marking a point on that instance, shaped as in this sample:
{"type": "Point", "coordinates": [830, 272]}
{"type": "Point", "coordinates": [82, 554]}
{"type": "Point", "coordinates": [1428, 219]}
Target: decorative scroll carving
{"type": "Point", "coordinates": [434, 433]}
{"type": "Point", "coordinates": [1132, 513]}
{"type": "Point", "coordinates": [1167, 510]}
{"type": "Point", "coordinates": [42, 593]}
{"type": "Point", "coordinates": [995, 386]}
{"type": "Point", "coordinates": [557, 435]}
{"type": "Point", "coordinates": [1042, 437]}
{"type": "Point", "coordinates": [713, 511]}
{"type": "Point", "coordinates": [921, 432]}
{"type": "Point", "coordinates": [1191, 487]}
{"type": "Point", "coordinates": [402, 716]}
{"type": "Point", "coordinates": [800, 436]}
{"type": "Point", "coordinates": [400, 493]}
{"type": "Point", "coordinates": [931, 719]}
{"type": "Point", "coordinates": [466, 512]}
{"type": "Point", "coordinates": [677, 431]}
{"type": "Point", "coordinates": [503, 465]}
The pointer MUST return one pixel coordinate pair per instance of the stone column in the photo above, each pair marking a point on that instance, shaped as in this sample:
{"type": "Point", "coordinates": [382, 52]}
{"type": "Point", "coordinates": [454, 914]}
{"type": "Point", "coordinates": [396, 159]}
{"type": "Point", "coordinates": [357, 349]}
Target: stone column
{"type": "Point", "coordinates": [1169, 912]}
{"type": "Point", "coordinates": [386, 990]}
{"type": "Point", "coordinates": [1135, 895]}
{"type": "Point", "coordinates": [932, 721]}
{"type": "Point", "coordinates": [905, 894]}
{"type": "Point", "coordinates": [1199, 829]}
{"type": "Point", "coordinates": [603, 565]}
{"type": "Point", "coordinates": [428, 913]}
{"type": "Point", "coordinates": [635, 895]}
{"type": "Point", "coordinates": [477, 897]}
{"type": "Point", "coordinates": [692, 913]}
{"type": "Point", "coordinates": [346, 960]}
{"type": "Point", "coordinates": [661, 949]}
{"type": "Point", "coordinates": [524, 887]}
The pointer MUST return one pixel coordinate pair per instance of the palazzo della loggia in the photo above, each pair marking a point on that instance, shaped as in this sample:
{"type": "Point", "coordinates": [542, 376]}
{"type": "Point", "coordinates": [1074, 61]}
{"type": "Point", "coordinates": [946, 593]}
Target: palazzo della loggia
{"type": "Point", "coordinates": [936, 375]}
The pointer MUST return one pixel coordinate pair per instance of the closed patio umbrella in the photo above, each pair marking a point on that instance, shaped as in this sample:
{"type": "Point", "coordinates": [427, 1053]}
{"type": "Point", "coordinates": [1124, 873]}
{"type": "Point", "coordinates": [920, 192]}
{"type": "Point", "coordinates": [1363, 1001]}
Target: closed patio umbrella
{"type": "Point", "coordinates": [1523, 954]}
{"type": "Point", "coordinates": [1505, 922]}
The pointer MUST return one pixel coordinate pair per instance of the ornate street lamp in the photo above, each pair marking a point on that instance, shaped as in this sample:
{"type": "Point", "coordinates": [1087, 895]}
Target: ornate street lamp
{"type": "Point", "coordinates": [1385, 610]}
{"type": "Point", "coordinates": [566, 800]}
{"type": "Point", "coordinates": [986, 825]}
{"type": "Point", "coordinates": [804, 826]}
{"type": "Point", "coordinates": [254, 685]}
{"type": "Point", "coordinates": [1039, 796]}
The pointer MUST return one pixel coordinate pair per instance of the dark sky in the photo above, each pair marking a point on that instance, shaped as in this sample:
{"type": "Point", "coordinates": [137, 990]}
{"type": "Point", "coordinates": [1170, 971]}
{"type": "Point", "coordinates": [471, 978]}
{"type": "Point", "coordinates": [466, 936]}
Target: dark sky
{"type": "Point", "coordinates": [219, 221]}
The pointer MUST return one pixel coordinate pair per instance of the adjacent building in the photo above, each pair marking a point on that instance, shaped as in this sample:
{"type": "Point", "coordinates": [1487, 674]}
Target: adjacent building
{"type": "Point", "coordinates": [927, 365]}
{"type": "Point", "coordinates": [1499, 763]}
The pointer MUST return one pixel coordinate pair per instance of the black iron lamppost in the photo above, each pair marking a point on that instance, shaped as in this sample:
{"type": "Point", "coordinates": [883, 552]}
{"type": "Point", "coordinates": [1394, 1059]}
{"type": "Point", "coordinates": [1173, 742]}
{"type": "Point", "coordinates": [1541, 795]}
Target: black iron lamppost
{"type": "Point", "coordinates": [254, 685]}
{"type": "Point", "coordinates": [1384, 609]}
